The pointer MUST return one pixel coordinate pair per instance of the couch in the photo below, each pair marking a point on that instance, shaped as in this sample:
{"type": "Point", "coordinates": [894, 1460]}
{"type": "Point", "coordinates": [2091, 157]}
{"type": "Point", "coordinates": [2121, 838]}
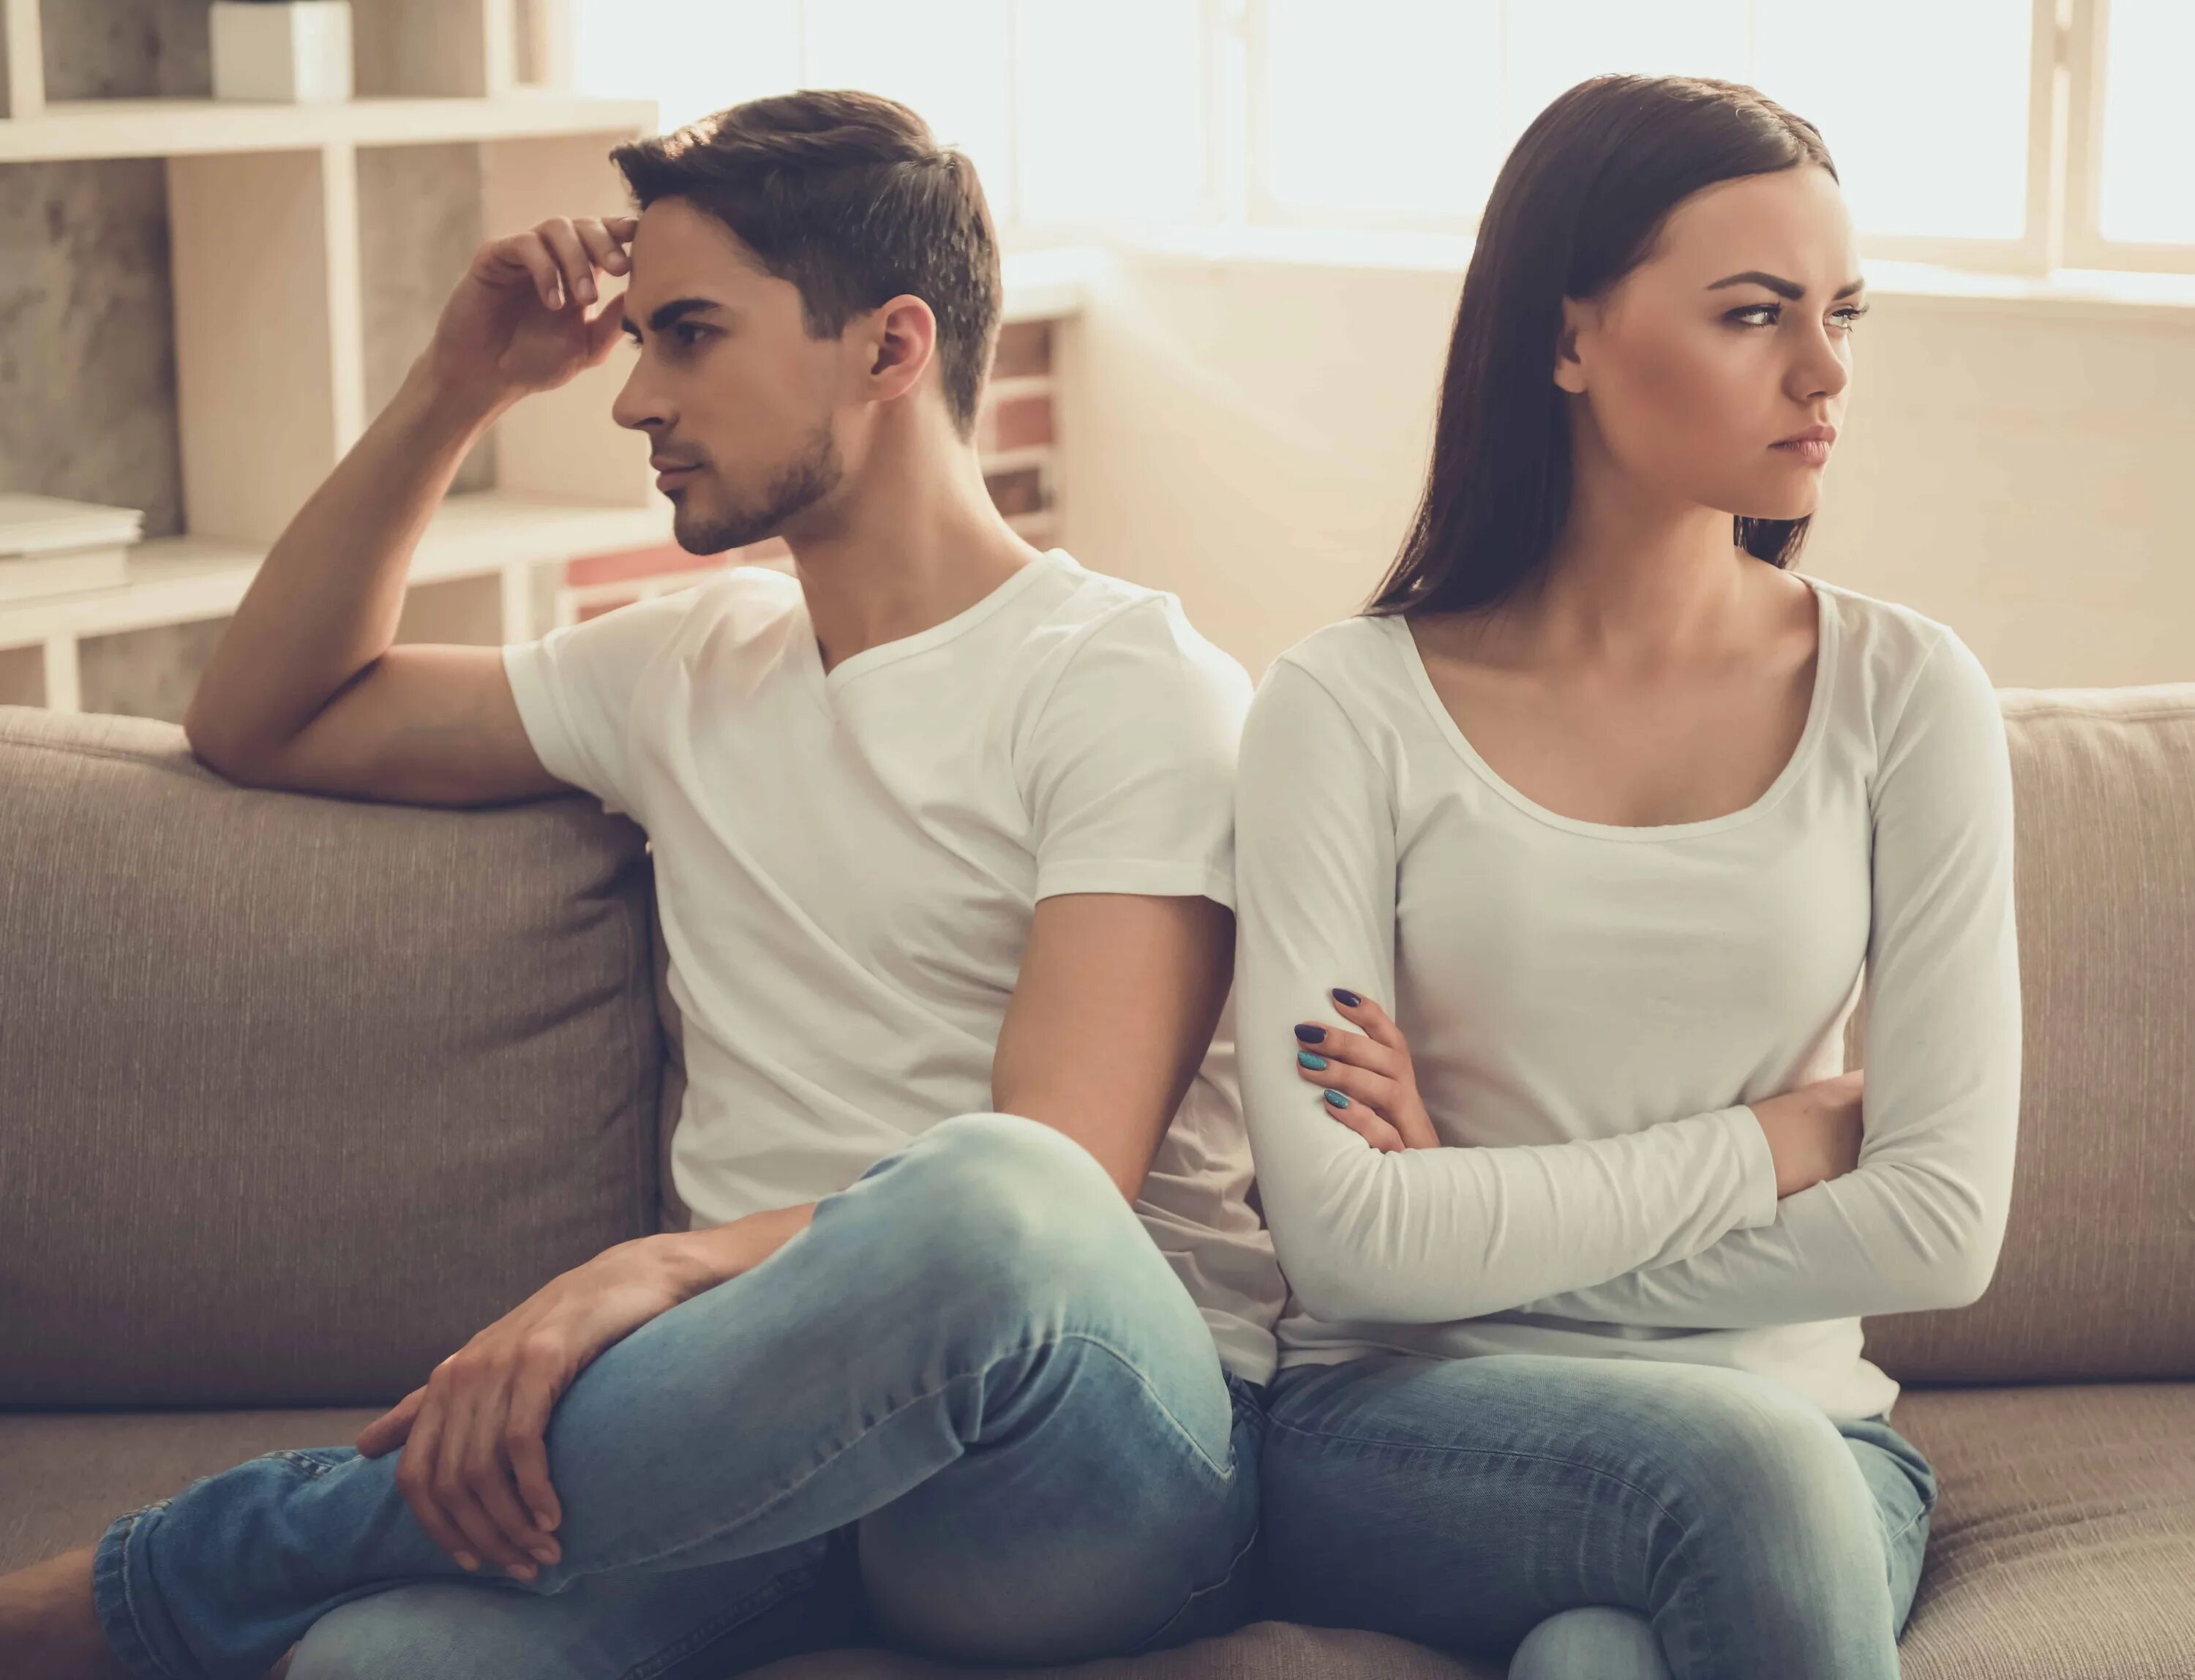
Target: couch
{"type": "Point", "coordinates": [296, 1093]}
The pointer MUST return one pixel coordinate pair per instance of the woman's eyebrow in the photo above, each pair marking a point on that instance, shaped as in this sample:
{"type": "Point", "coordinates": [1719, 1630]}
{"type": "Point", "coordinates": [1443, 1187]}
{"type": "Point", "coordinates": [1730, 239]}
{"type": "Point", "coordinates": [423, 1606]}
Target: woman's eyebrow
{"type": "Point", "coordinates": [1779, 285]}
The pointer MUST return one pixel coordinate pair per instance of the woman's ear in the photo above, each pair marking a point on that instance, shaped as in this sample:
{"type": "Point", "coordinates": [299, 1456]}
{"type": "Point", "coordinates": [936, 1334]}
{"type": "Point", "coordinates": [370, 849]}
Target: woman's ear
{"type": "Point", "coordinates": [1570, 367]}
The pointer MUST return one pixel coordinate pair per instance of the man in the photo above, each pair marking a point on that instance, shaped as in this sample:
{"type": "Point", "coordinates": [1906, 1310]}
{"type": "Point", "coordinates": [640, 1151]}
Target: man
{"type": "Point", "coordinates": [942, 839]}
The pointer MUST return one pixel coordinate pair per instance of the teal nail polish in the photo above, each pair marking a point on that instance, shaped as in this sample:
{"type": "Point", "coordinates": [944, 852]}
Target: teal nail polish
{"type": "Point", "coordinates": [1336, 1098]}
{"type": "Point", "coordinates": [1309, 1060]}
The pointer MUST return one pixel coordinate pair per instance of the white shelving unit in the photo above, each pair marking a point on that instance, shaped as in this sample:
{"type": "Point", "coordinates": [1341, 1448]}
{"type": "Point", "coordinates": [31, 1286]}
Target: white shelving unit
{"type": "Point", "coordinates": [266, 266]}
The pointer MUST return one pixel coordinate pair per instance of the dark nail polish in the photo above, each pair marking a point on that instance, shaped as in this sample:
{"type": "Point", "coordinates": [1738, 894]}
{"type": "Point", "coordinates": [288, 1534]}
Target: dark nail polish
{"type": "Point", "coordinates": [1348, 999]}
{"type": "Point", "coordinates": [1312, 1035]}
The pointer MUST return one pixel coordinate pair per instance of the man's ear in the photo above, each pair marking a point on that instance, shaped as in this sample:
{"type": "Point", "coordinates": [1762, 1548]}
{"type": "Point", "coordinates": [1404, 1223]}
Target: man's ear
{"type": "Point", "coordinates": [1570, 367]}
{"type": "Point", "coordinates": [901, 342]}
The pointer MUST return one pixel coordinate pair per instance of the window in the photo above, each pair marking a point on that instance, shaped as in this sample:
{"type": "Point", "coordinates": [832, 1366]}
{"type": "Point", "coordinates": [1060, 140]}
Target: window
{"type": "Point", "coordinates": [2145, 196]}
{"type": "Point", "coordinates": [2022, 135]}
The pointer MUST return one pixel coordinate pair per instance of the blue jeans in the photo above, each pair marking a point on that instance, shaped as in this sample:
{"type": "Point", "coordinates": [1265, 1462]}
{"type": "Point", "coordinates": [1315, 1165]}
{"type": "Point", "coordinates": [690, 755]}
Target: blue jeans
{"type": "Point", "coordinates": [1610, 1518]}
{"type": "Point", "coordinates": [971, 1409]}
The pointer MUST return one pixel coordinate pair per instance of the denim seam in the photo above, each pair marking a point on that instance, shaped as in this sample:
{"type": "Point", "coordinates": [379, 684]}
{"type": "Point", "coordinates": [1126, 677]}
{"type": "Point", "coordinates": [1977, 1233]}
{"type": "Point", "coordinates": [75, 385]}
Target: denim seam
{"type": "Point", "coordinates": [1483, 1453]}
{"type": "Point", "coordinates": [129, 1598]}
{"type": "Point", "coordinates": [765, 1598]}
{"type": "Point", "coordinates": [1182, 1609]}
{"type": "Point", "coordinates": [788, 1490]}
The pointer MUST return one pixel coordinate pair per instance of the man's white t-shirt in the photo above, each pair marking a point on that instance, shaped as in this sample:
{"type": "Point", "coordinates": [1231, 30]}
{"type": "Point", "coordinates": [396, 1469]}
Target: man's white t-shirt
{"type": "Point", "coordinates": [846, 864]}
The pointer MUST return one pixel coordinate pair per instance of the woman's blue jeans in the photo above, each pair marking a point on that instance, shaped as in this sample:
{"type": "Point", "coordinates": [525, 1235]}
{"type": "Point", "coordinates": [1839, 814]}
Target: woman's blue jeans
{"type": "Point", "coordinates": [971, 1409]}
{"type": "Point", "coordinates": [1594, 1519]}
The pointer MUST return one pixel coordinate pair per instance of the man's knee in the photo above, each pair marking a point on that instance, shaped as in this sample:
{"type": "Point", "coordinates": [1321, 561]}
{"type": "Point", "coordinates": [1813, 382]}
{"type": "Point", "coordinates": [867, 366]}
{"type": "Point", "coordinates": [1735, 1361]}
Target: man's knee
{"type": "Point", "coordinates": [997, 1198]}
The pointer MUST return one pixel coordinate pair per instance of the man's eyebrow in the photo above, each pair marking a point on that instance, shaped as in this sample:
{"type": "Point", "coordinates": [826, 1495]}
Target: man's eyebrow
{"type": "Point", "coordinates": [676, 309]}
{"type": "Point", "coordinates": [1780, 286]}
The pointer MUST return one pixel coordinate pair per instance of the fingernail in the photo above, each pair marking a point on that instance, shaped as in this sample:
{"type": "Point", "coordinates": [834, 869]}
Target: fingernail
{"type": "Point", "coordinates": [1312, 1035]}
{"type": "Point", "coordinates": [546, 1554]}
{"type": "Point", "coordinates": [467, 1561]}
{"type": "Point", "coordinates": [1336, 1098]}
{"type": "Point", "coordinates": [1309, 1060]}
{"type": "Point", "coordinates": [520, 1571]}
{"type": "Point", "coordinates": [544, 1522]}
{"type": "Point", "coordinates": [1347, 999]}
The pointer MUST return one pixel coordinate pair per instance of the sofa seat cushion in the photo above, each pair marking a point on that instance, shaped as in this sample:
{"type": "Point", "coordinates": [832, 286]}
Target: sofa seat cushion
{"type": "Point", "coordinates": [1261, 1651]}
{"type": "Point", "coordinates": [2062, 1546]}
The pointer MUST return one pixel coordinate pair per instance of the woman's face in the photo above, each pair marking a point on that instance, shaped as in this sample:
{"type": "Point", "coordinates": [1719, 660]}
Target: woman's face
{"type": "Point", "coordinates": [1697, 370]}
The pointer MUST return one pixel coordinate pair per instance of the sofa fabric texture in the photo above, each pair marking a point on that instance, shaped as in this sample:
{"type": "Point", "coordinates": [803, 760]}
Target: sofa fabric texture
{"type": "Point", "coordinates": [296, 1093]}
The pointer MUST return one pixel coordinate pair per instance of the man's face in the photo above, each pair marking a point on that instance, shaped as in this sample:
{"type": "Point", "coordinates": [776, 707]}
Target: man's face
{"type": "Point", "coordinates": [737, 400]}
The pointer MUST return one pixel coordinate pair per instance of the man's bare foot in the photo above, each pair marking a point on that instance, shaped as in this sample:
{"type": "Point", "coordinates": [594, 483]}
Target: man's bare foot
{"type": "Point", "coordinates": [48, 1629]}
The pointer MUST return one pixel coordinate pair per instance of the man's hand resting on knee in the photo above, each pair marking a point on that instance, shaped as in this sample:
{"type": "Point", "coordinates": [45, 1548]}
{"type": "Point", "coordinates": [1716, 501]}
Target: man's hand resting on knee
{"type": "Point", "coordinates": [475, 1469]}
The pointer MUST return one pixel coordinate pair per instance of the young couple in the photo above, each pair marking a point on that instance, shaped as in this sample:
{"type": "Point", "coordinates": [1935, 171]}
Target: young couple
{"type": "Point", "coordinates": [1544, 888]}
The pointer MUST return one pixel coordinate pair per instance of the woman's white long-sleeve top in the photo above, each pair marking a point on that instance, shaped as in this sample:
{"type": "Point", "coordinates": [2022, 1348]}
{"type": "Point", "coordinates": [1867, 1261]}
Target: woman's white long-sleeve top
{"type": "Point", "coordinates": [1590, 1008]}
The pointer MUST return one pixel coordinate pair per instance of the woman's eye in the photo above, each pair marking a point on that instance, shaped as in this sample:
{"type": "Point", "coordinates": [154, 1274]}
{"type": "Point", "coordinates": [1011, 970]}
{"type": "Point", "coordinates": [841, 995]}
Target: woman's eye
{"type": "Point", "coordinates": [1747, 316]}
{"type": "Point", "coordinates": [1849, 317]}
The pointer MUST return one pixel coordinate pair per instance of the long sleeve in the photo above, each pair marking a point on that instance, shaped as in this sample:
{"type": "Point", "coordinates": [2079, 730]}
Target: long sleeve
{"type": "Point", "coordinates": [1918, 1223]}
{"type": "Point", "coordinates": [1426, 1235]}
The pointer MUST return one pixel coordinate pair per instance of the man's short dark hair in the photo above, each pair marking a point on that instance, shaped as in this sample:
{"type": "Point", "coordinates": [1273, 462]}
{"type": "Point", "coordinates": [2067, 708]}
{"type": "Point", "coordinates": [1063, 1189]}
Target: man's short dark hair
{"type": "Point", "coordinates": [850, 197]}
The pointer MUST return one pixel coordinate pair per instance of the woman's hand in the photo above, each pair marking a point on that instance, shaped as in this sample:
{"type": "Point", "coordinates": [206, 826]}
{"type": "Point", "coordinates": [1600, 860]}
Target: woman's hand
{"type": "Point", "coordinates": [1370, 1086]}
{"type": "Point", "coordinates": [1814, 1132]}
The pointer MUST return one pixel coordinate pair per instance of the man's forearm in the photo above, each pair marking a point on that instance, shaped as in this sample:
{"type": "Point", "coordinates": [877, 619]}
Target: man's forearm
{"type": "Point", "coordinates": [700, 1260]}
{"type": "Point", "coordinates": [325, 601]}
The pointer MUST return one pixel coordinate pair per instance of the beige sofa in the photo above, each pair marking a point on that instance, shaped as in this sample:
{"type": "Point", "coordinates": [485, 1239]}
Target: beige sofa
{"type": "Point", "coordinates": [296, 1093]}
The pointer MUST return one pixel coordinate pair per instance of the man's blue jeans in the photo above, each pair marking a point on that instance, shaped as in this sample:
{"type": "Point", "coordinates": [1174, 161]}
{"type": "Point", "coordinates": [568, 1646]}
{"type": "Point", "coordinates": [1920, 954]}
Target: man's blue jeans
{"type": "Point", "coordinates": [971, 1409]}
{"type": "Point", "coordinates": [1610, 1518]}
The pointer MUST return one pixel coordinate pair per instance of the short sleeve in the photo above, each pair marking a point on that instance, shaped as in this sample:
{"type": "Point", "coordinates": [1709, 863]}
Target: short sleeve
{"type": "Point", "coordinates": [575, 686]}
{"type": "Point", "coordinates": [1128, 770]}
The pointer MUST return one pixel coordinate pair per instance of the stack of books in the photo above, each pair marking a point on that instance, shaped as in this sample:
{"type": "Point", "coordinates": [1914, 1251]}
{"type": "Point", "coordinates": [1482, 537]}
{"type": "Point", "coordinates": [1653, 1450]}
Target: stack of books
{"type": "Point", "coordinates": [53, 547]}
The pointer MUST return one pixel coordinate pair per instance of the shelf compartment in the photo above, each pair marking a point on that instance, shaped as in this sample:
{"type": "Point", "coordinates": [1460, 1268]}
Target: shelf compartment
{"type": "Point", "coordinates": [175, 580]}
{"type": "Point", "coordinates": [153, 128]}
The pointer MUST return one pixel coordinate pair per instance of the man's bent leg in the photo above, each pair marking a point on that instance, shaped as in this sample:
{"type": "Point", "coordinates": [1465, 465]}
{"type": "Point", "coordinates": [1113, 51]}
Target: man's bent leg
{"type": "Point", "coordinates": [944, 1301]}
{"type": "Point", "coordinates": [1122, 1520]}
{"type": "Point", "coordinates": [700, 1624]}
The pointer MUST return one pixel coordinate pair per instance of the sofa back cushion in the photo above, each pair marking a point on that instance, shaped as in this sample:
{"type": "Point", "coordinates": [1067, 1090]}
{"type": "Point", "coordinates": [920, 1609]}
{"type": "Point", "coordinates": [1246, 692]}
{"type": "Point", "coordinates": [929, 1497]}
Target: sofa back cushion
{"type": "Point", "coordinates": [2097, 1275]}
{"type": "Point", "coordinates": [296, 1093]}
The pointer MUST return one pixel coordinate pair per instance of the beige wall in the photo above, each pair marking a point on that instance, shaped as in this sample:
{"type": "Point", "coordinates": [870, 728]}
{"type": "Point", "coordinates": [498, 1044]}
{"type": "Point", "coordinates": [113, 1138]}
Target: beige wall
{"type": "Point", "coordinates": [1251, 434]}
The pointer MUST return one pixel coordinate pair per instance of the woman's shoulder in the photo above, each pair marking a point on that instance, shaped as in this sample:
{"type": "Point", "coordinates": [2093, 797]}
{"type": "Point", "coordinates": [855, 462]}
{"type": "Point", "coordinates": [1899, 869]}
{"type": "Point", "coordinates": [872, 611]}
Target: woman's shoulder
{"type": "Point", "coordinates": [1353, 659]}
{"type": "Point", "coordinates": [1893, 656]}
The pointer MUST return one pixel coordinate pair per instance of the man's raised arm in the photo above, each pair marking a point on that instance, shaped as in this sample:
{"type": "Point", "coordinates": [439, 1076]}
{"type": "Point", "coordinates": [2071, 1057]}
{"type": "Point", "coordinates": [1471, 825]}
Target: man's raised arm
{"type": "Point", "coordinates": [305, 691]}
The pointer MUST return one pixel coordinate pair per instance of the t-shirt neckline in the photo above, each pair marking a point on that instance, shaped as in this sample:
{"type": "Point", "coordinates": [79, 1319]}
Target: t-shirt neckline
{"type": "Point", "coordinates": [1048, 560]}
{"type": "Point", "coordinates": [1818, 707]}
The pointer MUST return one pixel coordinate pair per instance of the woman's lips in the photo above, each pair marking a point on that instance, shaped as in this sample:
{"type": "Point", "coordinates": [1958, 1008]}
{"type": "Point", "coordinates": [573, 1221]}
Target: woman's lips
{"type": "Point", "coordinates": [1814, 451]}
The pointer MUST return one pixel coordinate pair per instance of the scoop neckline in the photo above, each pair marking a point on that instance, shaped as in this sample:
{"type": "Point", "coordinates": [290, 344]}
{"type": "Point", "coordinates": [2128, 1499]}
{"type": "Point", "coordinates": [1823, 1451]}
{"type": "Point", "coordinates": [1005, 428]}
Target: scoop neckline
{"type": "Point", "coordinates": [1817, 707]}
{"type": "Point", "coordinates": [1048, 560]}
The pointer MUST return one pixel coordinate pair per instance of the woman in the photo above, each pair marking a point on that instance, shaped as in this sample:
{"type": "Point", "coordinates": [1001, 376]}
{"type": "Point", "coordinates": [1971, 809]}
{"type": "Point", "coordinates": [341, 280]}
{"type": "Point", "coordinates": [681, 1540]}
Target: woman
{"type": "Point", "coordinates": [1556, 871]}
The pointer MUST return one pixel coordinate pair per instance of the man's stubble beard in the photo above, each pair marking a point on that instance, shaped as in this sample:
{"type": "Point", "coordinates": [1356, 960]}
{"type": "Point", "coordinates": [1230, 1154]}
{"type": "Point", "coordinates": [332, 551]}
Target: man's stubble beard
{"type": "Point", "coordinates": [812, 475]}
